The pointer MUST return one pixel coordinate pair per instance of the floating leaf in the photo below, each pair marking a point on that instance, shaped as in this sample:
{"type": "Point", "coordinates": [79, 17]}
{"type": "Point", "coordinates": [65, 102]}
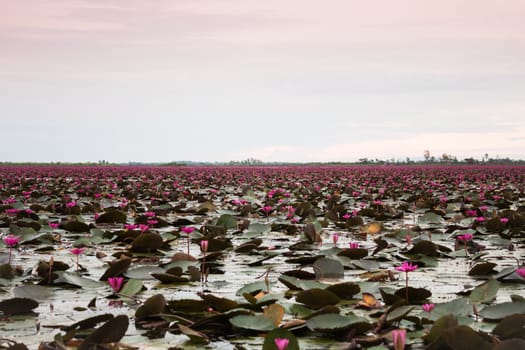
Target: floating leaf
{"type": "Point", "coordinates": [485, 292]}
{"type": "Point", "coordinates": [152, 306]}
{"type": "Point", "coordinates": [345, 290]}
{"type": "Point", "coordinates": [511, 327]}
{"type": "Point", "coordinates": [110, 332]}
{"type": "Point", "coordinates": [227, 221]}
{"type": "Point", "coordinates": [481, 269]}
{"type": "Point", "coordinates": [316, 298]}
{"type": "Point", "coordinates": [254, 323]}
{"type": "Point", "coordinates": [195, 337]}
{"type": "Point", "coordinates": [116, 268]}
{"type": "Point", "coordinates": [399, 312]}
{"type": "Point", "coordinates": [31, 291]}
{"type": "Point", "coordinates": [463, 337]}
{"type": "Point", "coordinates": [147, 242]}
{"type": "Point", "coordinates": [144, 272]}
{"type": "Point", "coordinates": [424, 247]}
{"type": "Point", "coordinates": [500, 311]}
{"type": "Point", "coordinates": [17, 306]}
{"type": "Point", "coordinates": [328, 268]}
{"type": "Point", "coordinates": [353, 253]}
{"type": "Point", "coordinates": [336, 322]}
{"type": "Point", "coordinates": [112, 217]}
{"type": "Point", "coordinates": [131, 287]}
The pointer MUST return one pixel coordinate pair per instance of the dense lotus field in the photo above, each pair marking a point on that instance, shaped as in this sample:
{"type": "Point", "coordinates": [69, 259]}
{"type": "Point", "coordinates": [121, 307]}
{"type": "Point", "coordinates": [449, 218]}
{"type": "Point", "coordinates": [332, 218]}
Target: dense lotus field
{"type": "Point", "coordinates": [381, 257]}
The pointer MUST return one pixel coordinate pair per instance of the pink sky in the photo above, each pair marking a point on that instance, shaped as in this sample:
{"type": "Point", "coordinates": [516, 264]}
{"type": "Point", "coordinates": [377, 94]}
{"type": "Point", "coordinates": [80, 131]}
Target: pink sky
{"type": "Point", "coordinates": [277, 80]}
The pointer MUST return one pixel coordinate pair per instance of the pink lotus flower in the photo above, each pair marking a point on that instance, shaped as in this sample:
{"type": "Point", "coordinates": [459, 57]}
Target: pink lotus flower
{"type": "Point", "coordinates": [479, 219]}
{"type": "Point", "coordinates": [54, 225]}
{"type": "Point", "coordinates": [130, 227]}
{"type": "Point", "coordinates": [149, 214]}
{"type": "Point", "coordinates": [281, 343]}
{"type": "Point", "coordinates": [399, 337]}
{"type": "Point", "coordinates": [71, 204]}
{"type": "Point", "coordinates": [407, 267]}
{"type": "Point", "coordinates": [408, 238]}
{"type": "Point", "coordinates": [187, 229]}
{"type": "Point", "coordinates": [143, 228]}
{"type": "Point", "coordinates": [153, 222]}
{"type": "Point", "coordinates": [204, 246]}
{"type": "Point", "coordinates": [10, 241]}
{"type": "Point", "coordinates": [504, 220]}
{"type": "Point", "coordinates": [521, 272]}
{"type": "Point", "coordinates": [428, 307]}
{"type": "Point", "coordinates": [96, 216]}
{"type": "Point", "coordinates": [115, 283]}
{"type": "Point", "coordinates": [267, 209]}
{"type": "Point", "coordinates": [353, 245]}
{"type": "Point", "coordinates": [335, 238]}
{"type": "Point", "coordinates": [77, 252]}
{"type": "Point", "coordinates": [11, 211]}
{"type": "Point", "coordinates": [465, 238]}
{"type": "Point", "coordinates": [471, 212]}
{"type": "Point", "coordinates": [346, 216]}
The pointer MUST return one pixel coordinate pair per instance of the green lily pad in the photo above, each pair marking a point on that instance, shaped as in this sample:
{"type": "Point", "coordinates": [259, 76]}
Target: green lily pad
{"type": "Point", "coordinates": [328, 268]}
{"type": "Point", "coordinates": [195, 336]}
{"type": "Point", "coordinates": [31, 291]}
{"type": "Point", "coordinates": [336, 322]}
{"type": "Point", "coordinates": [485, 292]}
{"type": "Point", "coordinates": [144, 272]}
{"type": "Point", "coordinates": [131, 287]}
{"type": "Point", "coordinates": [500, 311]}
{"type": "Point", "coordinates": [116, 268]}
{"type": "Point", "coordinates": [254, 323]}
{"type": "Point", "coordinates": [112, 217]}
{"type": "Point", "coordinates": [227, 221]}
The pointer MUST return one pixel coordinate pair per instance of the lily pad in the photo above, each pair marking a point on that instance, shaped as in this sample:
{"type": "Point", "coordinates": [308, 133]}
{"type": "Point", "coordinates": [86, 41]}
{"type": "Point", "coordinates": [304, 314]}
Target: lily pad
{"type": "Point", "coordinates": [485, 292]}
{"type": "Point", "coordinates": [463, 337]}
{"type": "Point", "coordinates": [110, 332]}
{"type": "Point", "coordinates": [17, 306]}
{"type": "Point", "coordinates": [511, 327]}
{"type": "Point", "coordinates": [147, 242]}
{"type": "Point", "coordinates": [31, 291]}
{"type": "Point", "coordinates": [152, 306]}
{"type": "Point", "coordinates": [328, 268]}
{"type": "Point", "coordinates": [316, 298]}
{"type": "Point", "coordinates": [482, 269]}
{"type": "Point", "coordinates": [254, 323]}
{"type": "Point", "coordinates": [336, 322]}
{"type": "Point", "coordinates": [500, 311]}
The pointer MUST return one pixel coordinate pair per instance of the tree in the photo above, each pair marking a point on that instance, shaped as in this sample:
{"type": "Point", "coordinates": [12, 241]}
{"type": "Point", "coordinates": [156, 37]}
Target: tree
{"type": "Point", "coordinates": [426, 154]}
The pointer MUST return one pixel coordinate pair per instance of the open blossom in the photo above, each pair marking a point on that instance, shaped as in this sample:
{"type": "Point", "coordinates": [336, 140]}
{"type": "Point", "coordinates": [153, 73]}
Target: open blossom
{"type": "Point", "coordinates": [77, 251]}
{"type": "Point", "coordinates": [282, 343]}
{"type": "Point", "coordinates": [149, 214]}
{"type": "Point", "coordinates": [466, 237]}
{"type": "Point", "coordinates": [479, 219]}
{"type": "Point", "coordinates": [152, 222]}
{"type": "Point", "coordinates": [267, 209]}
{"type": "Point", "coordinates": [143, 228]}
{"type": "Point", "coordinates": [115, 283]}
{"type": "Point", "coordinates": [407, 267]}
{"type": "Point", "coordinates": [428, 307]}
{"type": "Point", "coordinates": [187, 229]}
{"type": "Point", "coordinates": [54, 225]}
{"type": "Point", "coordinates": [504, 220]}
{"type": "Point", "coordinates": [346, 216]}
{"type": "Point", "coordinates": [521, 272]}
{"type": "Point", "coordinates": [353, 245]}
{"type": "Point", "coordinates": [130, 226]}
{"type": "Point", "coordinates": [11, 240]}
{"type": "Point", "coordinates": [71, 204]}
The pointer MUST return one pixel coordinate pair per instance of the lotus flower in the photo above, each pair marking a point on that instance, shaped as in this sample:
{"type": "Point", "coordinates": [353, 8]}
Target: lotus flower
{"type": "Point", "coordinates": [115, 283]}
{"type": "Point", "coordinates": [428, 307]}
{"type": "Point", "coordinates": [353, 245]}
{"type": "Point", "coordinates": [10, 241]}
{"type": "Point", "coordinates": [188, 230]}
{"type": "Point", "coordinates": [521, 272]}
{"type": "Point", "coordinates": [77, 252]}
{"type": "Point", "coordinates": [399, 337]}
{"type": "Point", "coordinates": [54, 225]}
{"type": "Point", "coordinates": [335, 238]}
{"type": "Point", "coordinates": [406, 267]}
{"type": "Point", "coordinates": [504, 220]}
{"type": "Point", "coordinates": [282, 343]}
